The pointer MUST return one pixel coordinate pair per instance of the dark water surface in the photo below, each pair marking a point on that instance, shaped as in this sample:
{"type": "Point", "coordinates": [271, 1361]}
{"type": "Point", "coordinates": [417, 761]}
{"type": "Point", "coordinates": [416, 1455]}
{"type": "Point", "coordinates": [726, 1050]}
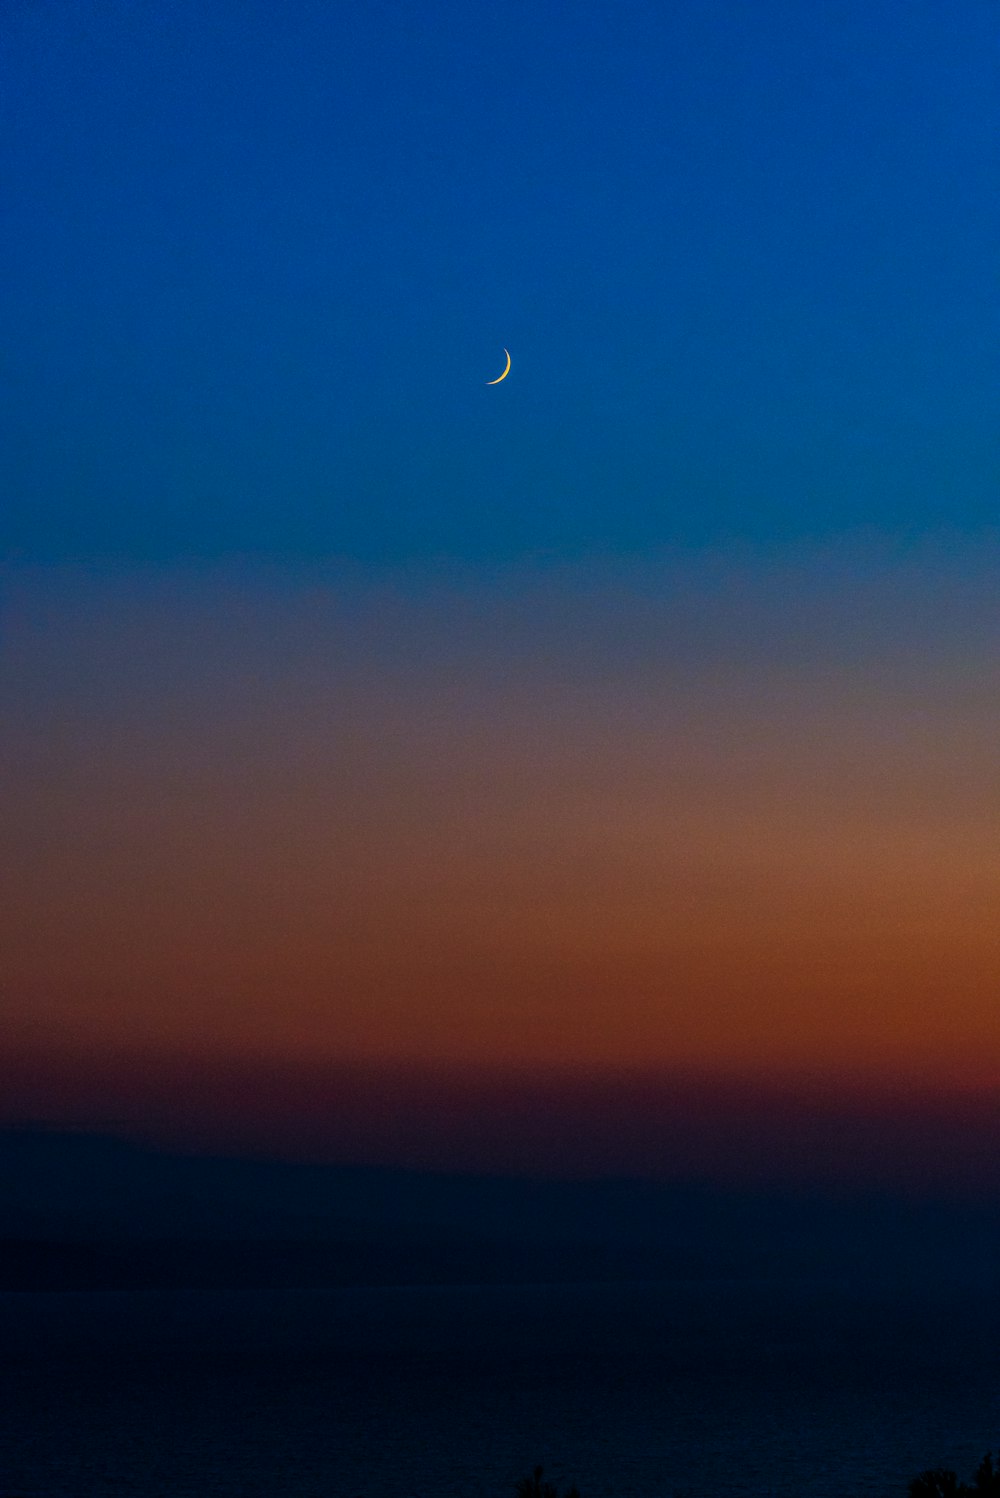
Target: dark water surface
{"type": "Point", "coordinates": [688, 1389]}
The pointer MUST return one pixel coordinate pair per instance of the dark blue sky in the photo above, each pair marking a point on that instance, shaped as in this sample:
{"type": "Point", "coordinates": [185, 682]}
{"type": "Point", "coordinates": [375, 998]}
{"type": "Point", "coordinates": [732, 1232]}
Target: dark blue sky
{"type": "Point", "coordinates": [258, 263]}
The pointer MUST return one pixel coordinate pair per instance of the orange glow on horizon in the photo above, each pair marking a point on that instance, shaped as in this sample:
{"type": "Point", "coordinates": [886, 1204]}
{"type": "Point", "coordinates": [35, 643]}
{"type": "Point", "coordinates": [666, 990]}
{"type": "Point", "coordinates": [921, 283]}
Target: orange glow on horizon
{"type": "Point", "coordinates": [766, 869]}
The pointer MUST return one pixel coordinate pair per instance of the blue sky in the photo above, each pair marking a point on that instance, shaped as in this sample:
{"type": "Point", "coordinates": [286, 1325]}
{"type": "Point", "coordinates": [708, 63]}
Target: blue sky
{"type": "Point", "coordinates": [260, 262]}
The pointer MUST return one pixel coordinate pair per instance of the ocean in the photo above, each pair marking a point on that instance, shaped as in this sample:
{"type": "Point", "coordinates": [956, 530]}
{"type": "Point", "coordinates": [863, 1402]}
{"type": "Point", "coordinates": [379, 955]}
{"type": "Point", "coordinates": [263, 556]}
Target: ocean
{"type": "Point", "coordinates": [687, 1389]}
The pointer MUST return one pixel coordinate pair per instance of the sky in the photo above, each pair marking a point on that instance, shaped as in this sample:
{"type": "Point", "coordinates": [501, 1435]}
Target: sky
{"type": "Point", "coordinates": [630, 724]}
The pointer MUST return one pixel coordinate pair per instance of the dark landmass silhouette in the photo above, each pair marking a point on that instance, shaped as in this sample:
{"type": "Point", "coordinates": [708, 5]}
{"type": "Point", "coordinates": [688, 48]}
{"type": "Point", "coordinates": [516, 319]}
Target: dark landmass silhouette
{"type": "Point", "coordinates": [83, 1211]}
{"type": "Point", "coordinates": [221, 1264]}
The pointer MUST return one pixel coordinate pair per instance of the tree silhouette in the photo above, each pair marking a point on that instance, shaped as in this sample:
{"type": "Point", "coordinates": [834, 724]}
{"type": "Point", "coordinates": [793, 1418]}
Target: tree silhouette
{"type": "Point", "coordinates": [986, 1483]}
{"type": "Point", "coordinates": [939, 1482]}
{"type": "Point", "coordinates": [534, 1487]}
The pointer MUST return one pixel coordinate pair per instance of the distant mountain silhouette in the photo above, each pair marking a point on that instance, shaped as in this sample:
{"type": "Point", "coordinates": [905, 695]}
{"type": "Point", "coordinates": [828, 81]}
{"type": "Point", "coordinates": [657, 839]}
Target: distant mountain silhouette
{"type": "Point", "coordinates": [83, 1211]}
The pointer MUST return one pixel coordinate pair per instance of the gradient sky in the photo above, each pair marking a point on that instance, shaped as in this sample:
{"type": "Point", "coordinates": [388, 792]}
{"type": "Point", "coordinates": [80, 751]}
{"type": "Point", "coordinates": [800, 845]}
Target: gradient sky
{"type": "Point", "coordinates": [638, 712]}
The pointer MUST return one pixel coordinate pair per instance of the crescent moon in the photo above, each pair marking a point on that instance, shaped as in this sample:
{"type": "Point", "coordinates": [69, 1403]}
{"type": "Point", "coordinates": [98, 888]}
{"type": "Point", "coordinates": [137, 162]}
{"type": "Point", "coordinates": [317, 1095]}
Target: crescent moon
{"type": "Point", "coordinates": [504, 375]}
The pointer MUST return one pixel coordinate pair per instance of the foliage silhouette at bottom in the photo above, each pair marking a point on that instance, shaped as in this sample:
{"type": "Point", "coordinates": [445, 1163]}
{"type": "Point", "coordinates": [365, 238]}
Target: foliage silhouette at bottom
{"type": "Point", "coordinates": [534, 1487]}
{"type": "Point", "coordinates": [939, 1482]}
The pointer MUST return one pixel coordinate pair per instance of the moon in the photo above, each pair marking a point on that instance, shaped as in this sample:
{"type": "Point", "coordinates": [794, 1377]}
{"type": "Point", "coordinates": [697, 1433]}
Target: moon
{"type": "Point", "coordinates": [504, 375]}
